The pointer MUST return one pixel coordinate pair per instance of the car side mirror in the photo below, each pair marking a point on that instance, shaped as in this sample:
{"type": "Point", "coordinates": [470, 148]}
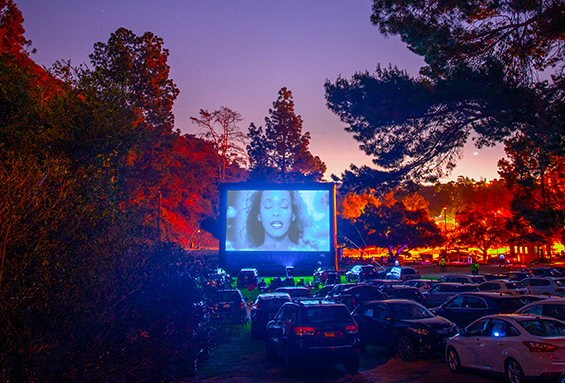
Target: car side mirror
{"type": "Point", "coordinates": [462, 332]}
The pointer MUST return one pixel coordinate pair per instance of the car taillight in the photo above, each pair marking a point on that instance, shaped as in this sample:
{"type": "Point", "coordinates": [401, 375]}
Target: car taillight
{"type": "Point", "coordinates": [351, 329]}
{"type": "Point", "coordinates": [540, 347]}
{"type": "Point", "coordinates": [559, 289]}
{"type": "Point", "coordinates": [242, 305]}
{"type": "Point", "coordinates": [304, 331]}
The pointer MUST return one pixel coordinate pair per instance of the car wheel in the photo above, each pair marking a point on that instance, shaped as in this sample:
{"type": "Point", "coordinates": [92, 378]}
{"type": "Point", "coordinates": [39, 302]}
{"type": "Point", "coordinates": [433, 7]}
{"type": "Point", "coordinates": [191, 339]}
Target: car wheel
{"type": "Point", "coordinates": [514, 372]}
{"type": "Point", "coordinates": [290, 363]}
{"type": "Point", "coordinates": [352, 364]}
{"type": "Point", "coordinates": [405, 349]}
{"type": "Point", "coordinates": [453, 361]}
{"type": "Point", "coordinates": [269, 350]}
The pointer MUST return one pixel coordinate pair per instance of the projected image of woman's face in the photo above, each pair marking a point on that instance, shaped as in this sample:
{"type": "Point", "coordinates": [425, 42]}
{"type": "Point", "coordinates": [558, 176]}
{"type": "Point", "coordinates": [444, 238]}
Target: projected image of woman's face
{"type": "Point", "coordinates": [276, 213]}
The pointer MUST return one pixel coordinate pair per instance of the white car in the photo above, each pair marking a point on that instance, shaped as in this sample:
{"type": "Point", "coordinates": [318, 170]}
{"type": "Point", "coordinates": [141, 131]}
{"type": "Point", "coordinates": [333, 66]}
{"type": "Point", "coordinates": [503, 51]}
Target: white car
{"type": "Point", "coordinates": [504, 287]}
{"type": "Point", "coordinates": [518, 346]}
{"type": "Point", "coordinates": [544, 286]}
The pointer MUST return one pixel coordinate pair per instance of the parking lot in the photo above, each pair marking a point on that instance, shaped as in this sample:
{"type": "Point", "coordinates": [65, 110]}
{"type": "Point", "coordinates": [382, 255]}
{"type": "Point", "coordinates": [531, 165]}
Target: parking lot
{"type": "Point", "coordinates": [244, 360]}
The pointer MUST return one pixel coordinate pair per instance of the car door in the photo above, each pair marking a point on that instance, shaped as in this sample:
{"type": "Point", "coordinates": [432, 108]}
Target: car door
{"type": "Point", "coordinates": [472, 348]}
{"type": "Point", "coordinates": [281, 326]}
{"type": "Point", "coordinates": [437, 295]}
{"type": "Point", "coordinates": [498, 335]}
{"type": "Point", "coordinates": [376, 325]}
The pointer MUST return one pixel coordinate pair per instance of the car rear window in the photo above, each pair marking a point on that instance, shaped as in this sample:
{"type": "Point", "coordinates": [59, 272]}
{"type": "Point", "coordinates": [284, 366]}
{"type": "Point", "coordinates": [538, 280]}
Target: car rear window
{"type": "Point", "coordinates": [509, 305]}
{"type": "Point", "coordinates": [544, 327]}
{"type": "Point", "coordinates": [327, 314]}
{"type": "Point", "coordinates": [272, 303]}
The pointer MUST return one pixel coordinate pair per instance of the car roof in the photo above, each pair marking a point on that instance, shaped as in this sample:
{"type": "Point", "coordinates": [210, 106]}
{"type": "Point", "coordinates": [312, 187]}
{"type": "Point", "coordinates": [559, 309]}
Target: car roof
{"type": "Point", "coordinates": [489, 294]}
{"type": "Point", "coordinates": [273, 295]}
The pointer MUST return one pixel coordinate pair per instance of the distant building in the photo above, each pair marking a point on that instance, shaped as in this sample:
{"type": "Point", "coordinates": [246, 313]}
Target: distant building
{"type": "Point", "coordinates": [528, 248]}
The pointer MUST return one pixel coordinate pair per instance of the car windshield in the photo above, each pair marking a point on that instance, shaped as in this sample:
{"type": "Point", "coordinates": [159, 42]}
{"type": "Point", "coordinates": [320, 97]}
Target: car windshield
{"type": "Point", "coordinates": [560, 282]}
{"type": "Point", "coordinates": [544, 327]}
{"type": "Point", "coordinates": [410, 311]}
{"type": "Point", "coordinates": [514, 286]}
{"type": "Point", "coordinates": [327, 314]}
{"type": "Point", "coordinates": [477, 279]}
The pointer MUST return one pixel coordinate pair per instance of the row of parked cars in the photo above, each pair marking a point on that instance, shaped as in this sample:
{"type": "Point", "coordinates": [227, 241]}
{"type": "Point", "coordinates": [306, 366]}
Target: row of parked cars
{"type": "Point", "coordinates": [493, 331]}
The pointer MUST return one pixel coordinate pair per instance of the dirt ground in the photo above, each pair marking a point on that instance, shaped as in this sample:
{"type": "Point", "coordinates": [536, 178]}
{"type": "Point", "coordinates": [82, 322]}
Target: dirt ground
{"type": "Point", "coordinates": [243, 360]}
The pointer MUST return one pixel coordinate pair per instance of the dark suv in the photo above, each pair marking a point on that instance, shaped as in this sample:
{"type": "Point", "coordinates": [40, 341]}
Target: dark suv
{"type": "Point", "coordinates": [247, 277]}
{"type": "Point", "coordinates": [228, 304]}
{"type": "Point", "coordinates": [313, 331]}
{"type": "Point", "coordinates": [265, 306]}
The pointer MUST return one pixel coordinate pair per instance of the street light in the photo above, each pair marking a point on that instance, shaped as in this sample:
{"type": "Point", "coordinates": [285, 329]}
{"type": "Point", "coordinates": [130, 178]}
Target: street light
{"type": "Point", "coordinates": [445, 220]}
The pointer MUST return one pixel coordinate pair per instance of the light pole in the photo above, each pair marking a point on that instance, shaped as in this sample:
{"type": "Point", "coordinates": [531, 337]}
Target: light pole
{"type": "Point", "coordinates": [445, 221]}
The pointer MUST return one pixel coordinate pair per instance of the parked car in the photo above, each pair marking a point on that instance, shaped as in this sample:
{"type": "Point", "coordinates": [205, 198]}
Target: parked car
{"type": "Point", "coordinates": [518, 275]}
{"type": "Point", "coordinates": [323, 276]}
{"type": "Point", "coordinates": [404, 292]}
{"type": "Point", "coordinates": [404, 325]}
{"type": "Point", "coordinates": [544, 286]}
{"type": "Point", "coordinates": [551, 307]}
{"type": "Point", "coordinates": [360, 273]}
{"type": "Point", "coordinates": [494, 276]}
{"type": "Point", "coordinates": [355, 295]}
{"type": "Point", "coordinates": [543, 272]}
{"type": "Point", "coordinates": [421, 284]}
{"type": "Point", "coordinates": [323, 291]}
{"type": "Point", "coordinates": [247, 277]}
{"type": "Point", "coordinates": [512, 288]}
{"type": "Point", "coordinates": [463, 278]}
{"type": "Point", "coordinates": [295, 292]}
{"type": "Point", "coordinates": [338, 289]}
{"type": "Point", "coordinates": [219, 278]}
{"type": "Point", "coordinates": [441, 292]}
{"type": "Point", "coordinates": [519, 346]}
{"type": "Point", "coordinates": [228, 304]}
{"type": "Point", "coordinates": [464, 308]}
{"type": "Point", "coordinates": [264, 307]}
{"type": "Point", "coordinates": [403, 273]}
{"type": "Point", "coordinates": [313, 331]}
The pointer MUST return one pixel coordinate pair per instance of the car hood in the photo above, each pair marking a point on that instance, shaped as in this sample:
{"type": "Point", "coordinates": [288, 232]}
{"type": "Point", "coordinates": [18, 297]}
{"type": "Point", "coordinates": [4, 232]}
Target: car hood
{"type": "Point", "coordinates": [437, 324]}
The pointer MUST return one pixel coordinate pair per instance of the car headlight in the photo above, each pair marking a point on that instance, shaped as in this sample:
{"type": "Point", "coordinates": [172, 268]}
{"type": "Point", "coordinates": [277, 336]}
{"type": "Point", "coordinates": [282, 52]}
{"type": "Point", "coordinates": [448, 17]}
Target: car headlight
{"type": "Point", "coordinates": [419, 330]}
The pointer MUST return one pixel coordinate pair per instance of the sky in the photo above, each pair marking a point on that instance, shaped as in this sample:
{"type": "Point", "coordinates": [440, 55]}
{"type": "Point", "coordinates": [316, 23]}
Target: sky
{"type": "Point", "coordinates": [240, 53]}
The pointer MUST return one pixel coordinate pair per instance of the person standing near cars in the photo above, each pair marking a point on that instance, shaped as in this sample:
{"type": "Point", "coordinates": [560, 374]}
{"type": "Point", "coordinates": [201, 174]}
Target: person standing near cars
{"type": "Point", "coordinates": [442, 266]}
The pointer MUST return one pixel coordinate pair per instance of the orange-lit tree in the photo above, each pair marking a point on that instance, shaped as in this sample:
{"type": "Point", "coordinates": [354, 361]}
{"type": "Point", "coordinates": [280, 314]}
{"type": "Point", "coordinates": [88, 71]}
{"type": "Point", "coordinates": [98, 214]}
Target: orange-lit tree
{"type": "Point", "coordinates": [536, 179]}
{"type": "Point", "coordinates": [482, 213]}
{"type": "Point", "coordinates": [388, 223]}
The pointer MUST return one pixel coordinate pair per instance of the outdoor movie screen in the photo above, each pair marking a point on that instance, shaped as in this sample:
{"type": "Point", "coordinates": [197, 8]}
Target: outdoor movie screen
{"type": "Point", "coordinates": [272, 226]}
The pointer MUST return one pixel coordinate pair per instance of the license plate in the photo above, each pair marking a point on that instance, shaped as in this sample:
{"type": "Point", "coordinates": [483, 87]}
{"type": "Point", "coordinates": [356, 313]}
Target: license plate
{"type": "Point", "coordinates": [329, 334]}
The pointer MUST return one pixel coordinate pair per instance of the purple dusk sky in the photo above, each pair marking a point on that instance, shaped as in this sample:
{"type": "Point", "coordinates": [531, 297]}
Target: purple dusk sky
{"type": "Point", "coordinates": [239, 53]}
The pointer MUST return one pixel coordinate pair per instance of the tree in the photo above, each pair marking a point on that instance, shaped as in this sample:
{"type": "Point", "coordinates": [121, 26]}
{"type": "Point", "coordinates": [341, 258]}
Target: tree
{"type": "Point", "coordinates": [280, 153]}
{"type": "Point", "coordinates": [85, 274]}
{"type": "Point", "coordinates": [525, 36]}
{"type": "Point", "coordinates": [482, 214]}
{"type": "Point", "coordinates": [226, 139]}
{"type": "Point", "coordinates": [385, 222]}
{"type": "Point", "coordinates": [536, 179]}
{"type": "Point", "coordinates": [481, 79]}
